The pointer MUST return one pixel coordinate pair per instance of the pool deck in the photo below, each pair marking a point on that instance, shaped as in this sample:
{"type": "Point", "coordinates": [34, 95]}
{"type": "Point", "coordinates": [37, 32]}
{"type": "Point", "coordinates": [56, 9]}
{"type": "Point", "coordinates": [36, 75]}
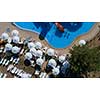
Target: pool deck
{"type": "Point", "coordinates": [23, 34]}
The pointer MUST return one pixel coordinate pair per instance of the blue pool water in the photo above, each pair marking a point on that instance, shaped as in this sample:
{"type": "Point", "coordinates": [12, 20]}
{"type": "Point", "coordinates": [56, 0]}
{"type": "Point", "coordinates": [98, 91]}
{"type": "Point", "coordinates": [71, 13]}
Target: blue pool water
{"type": "Point", "coordinates": [53, 35]}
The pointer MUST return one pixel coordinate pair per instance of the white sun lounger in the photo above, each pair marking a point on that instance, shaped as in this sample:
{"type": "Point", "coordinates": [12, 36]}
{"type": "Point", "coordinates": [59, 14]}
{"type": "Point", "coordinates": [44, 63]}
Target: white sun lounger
{"type": "Point", "coordinates": [10, 67]}
{"type": "Point", "coordinates": [11, 59]}
{"type": "Point", "coordinates": [42, 75]}
{"type": "Point", "coordinates": [5, 75]}
{"type": "Point", "coordinates": [20, 74]}
{"type": "Point", "coordinates": [1, 74]}
{"type": "Point", "coordinates": [4, 51]}
{"type": "Point", "coordinates": [7, 63]}
{"type": "Point", "coordinates": [16, 62]}
{"type": "Point", "coordinates": [4, 61]}
{"type": "Point", "coordinates": [13, 70]}
{"type": "Point", "coordinates": [1, 60]}
{"type": "Point", "coordinates": [22, 51]}
{"type": "Point", "coordinates": [17, 70]}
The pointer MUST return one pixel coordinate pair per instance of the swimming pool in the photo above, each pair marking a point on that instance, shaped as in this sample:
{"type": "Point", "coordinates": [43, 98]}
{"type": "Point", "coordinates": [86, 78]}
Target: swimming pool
{"type": "Point", "coordinates": [55, 37]}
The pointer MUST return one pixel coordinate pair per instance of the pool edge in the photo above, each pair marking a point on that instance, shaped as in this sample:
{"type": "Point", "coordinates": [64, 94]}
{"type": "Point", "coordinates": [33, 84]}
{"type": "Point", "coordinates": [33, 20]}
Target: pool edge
{"type": "Point", "coordinates": [77, 38]}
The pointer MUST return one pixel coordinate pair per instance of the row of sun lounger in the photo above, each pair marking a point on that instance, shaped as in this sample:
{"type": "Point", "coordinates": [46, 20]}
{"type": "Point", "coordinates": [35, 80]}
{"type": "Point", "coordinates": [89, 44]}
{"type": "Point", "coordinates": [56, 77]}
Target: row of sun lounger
{"type": "Point", "coordinates": [6, 62]}
{"type": "Point", "coordinates": [41, 74]}
{"type": "Point", "coordinates": [2, 75]}
{"type": "Point", "coordinates": [18, 72]}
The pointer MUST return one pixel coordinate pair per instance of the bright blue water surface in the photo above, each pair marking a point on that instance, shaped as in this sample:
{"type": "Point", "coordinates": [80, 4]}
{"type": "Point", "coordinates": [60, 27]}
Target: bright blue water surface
{"type": "Point", "coordinates": [53, 35]}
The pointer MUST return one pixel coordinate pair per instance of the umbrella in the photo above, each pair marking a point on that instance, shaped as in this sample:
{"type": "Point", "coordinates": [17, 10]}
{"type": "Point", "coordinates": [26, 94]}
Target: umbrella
{"type": "Point", "coordinates": [4, 36]}
{"type": "Point", "coordinates": [31, 45]}
{"type": "Point", "coordinates": [15, 33]}
{"type": "Point", "coordinates": [16, 39]}
{"type": "Point", "coordinates": [15, 49]}
{"type": "Point", "coordinates": [52, 63]}
{"type": "Point", "coordinates": [82, 42]}
{"type": "Point", "coordinates": [38, 45]}
{"type": "Point", "coordinates": [55, 71]}
{"type": "Point", "coordinates": [39, 53]}
{"type": "Point", "coordinates": [8, 47]}
{"type": "Point", "coordinates": [28, 56]}
{"type": "Point", "coordinates": [39, 61]}
{"type": "Point", "coordinates": [33, 51]}
{"type": "Point", "coordinates": [62, 58]}
{"type": "Point", "coordinates": [50, 52]}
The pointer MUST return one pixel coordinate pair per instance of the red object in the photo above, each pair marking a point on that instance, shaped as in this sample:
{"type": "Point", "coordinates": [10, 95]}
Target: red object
{"type": "Point", "coordinates": [59, 26]}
